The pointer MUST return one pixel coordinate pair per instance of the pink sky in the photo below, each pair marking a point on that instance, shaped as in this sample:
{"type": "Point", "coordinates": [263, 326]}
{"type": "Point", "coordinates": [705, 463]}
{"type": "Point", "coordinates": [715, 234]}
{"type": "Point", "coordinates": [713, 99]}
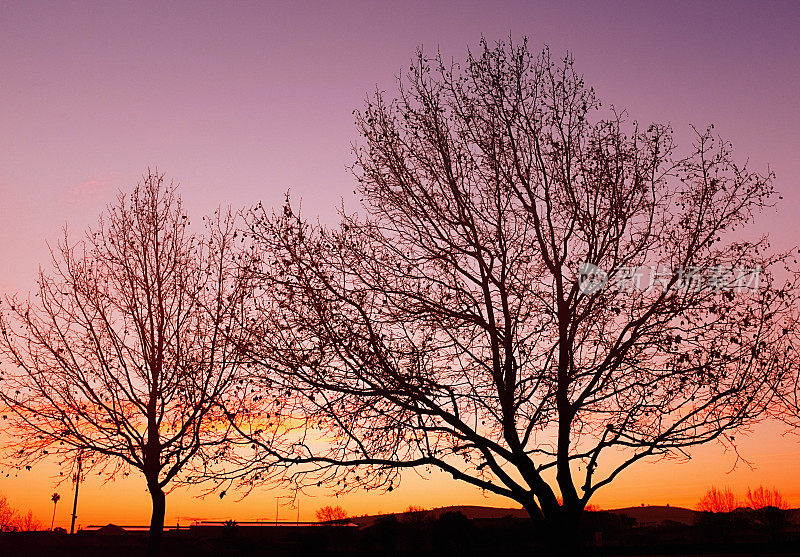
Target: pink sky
{"type": "Point", "coordinates": [240, 105]}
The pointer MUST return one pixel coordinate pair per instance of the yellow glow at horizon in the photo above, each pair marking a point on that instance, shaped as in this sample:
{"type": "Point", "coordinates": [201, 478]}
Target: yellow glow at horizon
{"type": "Point", "coordinates": [125, 501]}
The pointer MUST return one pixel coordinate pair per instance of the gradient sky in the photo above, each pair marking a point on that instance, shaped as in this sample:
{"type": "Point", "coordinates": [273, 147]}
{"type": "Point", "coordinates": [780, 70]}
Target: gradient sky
{"type": "Point", "coordinates": [242, 104]}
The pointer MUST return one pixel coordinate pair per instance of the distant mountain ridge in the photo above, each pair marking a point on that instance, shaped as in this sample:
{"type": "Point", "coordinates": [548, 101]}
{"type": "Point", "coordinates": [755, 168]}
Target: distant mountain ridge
{"type": "Point", "coordinates": [658, 514]}
{"type": "Point", "coordinates": [642, 515]}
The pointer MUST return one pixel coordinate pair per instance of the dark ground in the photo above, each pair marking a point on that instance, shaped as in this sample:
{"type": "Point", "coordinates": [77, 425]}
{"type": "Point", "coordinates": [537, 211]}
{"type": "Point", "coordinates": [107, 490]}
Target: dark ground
{"type": "Point", "coordinates": [449, 533]}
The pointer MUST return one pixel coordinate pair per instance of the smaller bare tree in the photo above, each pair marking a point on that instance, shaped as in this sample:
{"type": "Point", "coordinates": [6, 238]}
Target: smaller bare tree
{"type": "Point", "coordinates": [770, 510]}
{"type": "Point", "coordinates": [416, 516]}
{"type": "Point", "coordinates": [29, 523]}
{"type": "Point", "coordinates": [761, 498]}
{"type": "Point", "coordinates": [717, 500]}
{"type": "Point", "coordinates": [8, 516]}
{"type": "Point", "coordinates": [126, 353]}
{"type": "Point", "coordinates": [330, 514]}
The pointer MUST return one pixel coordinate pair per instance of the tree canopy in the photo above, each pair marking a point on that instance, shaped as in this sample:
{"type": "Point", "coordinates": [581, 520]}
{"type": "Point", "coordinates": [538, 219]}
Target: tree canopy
{"type": "Point", "coordinates": [536, 294]}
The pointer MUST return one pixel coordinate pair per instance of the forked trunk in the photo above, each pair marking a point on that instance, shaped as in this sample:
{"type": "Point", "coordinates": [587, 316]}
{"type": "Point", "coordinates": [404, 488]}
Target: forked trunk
{"type": "Point", "coordinates": [569, 534]}
{"type": "Point", "coordinates": [563, 534]}
{"type": "Point", "coordinates": [558, 531]}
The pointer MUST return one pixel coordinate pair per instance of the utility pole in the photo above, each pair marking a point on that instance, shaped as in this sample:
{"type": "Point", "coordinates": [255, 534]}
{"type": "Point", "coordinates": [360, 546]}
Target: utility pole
{"type": "Point", "coordinates": [277, 499]}
{"type": "Point", "coordinates": [75, 502]}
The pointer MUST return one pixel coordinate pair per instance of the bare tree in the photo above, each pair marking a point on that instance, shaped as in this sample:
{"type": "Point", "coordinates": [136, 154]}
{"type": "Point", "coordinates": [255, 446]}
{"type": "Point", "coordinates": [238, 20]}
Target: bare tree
{"type": "Point", "coordinates": [29, 523]}
{"type": "Point", "coordinates": [761, 498]}
{"type": "Point", "coordinates": [9, 518]}
{"type": "Point", "coordinates": [717, 500]}
{"type": "Point", "coordinates": [787, 385]}
{"type": "Point", "coordinates": [123, 355]}
{"type": "Point", "coordinates": [769, 510]}
{"type": "Point", "coordinates": [331, 514]}
{"type": "Point", "coordinates": [416, 516]}
{"type": "Point", "coordinates": [537, 295]}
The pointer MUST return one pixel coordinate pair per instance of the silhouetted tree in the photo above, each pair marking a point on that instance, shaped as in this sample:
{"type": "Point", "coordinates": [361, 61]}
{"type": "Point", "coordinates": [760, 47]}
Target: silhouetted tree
{"type": "Point", "coordinates": [12, 520]}
{"type": "Point", "coordinates": [416, 516]}
{"type": "Point", "coordinates": [787, 386]}
{"type": "Point", "coordinates": [230, 529]}
{"type": "Point", "coordinates": [718, 501]}
{"type": "Point", "coordinates": [124, 354]}
{"type": "Point", "coordinates": [770, 509]}
{"type": "Point", "coordinates": [453, 531]}
{"type": "Point", "coordinates": [481, 315]}
{"type": "Point", "coordinates": [762, 497]}
{"type": "Point", "coordinates": [331, 514]}
{"type": "Point", "coordinates": [724, 513]}
{"type": "Point", "coordinates": [29, 523]}
{"type": "Point", "coordinates": [8, 516]}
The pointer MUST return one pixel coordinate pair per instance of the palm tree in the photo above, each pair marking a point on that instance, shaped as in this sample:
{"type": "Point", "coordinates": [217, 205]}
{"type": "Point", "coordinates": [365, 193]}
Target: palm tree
{"type": "Point", "coordinates": [54, 499]}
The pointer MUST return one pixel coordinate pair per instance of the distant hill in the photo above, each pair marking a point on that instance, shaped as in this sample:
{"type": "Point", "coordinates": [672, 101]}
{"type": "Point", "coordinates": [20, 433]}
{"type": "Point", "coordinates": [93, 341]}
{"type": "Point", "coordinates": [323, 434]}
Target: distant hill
{"type": "Point", "coordinates": [470, 511]}
{"type": "Point", "coordinates": [658, 514]}
{"type": "Point", "coordinates": [642, 515]}
{"type": "Point", "coordinates": [476, 511]}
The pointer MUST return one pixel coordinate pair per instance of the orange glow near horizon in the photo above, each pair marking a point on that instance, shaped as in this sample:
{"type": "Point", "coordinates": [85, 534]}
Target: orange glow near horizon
{"type": "Point", "coordinates": [125, 501]}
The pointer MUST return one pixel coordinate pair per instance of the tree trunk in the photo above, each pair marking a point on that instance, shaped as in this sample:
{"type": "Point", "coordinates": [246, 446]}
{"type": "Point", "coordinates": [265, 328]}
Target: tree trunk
{"type": "Point", "coordinates": [562, 533]}
{"type": "Point", "coordinates": [156, 519]}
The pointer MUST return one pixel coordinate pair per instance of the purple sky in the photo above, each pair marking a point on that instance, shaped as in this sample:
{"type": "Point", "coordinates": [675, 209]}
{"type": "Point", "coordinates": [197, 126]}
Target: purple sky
{"type": "Point", "coordinates": [241, 104]}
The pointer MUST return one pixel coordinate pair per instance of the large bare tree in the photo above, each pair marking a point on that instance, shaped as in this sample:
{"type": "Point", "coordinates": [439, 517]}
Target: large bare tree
{"type": "Point", "coordinates": [787, 385]}
{"type": "Point", "coordinates": [123, 356]}
{"type": "Point", "coordinates": [536, 295]}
